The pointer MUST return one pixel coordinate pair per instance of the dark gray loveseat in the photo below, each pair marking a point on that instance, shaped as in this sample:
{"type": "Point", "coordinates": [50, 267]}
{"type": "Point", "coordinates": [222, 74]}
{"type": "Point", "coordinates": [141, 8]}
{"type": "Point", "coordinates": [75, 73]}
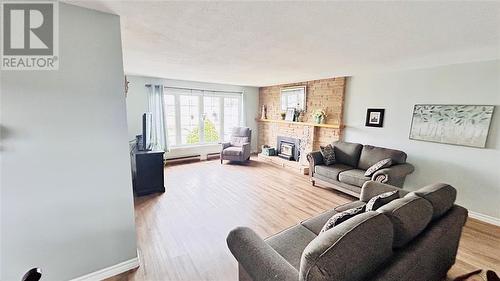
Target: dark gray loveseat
{"type": "Point", "coordinates": [413, 238]}
{"type": "Point", "coordinates": [352, 160]}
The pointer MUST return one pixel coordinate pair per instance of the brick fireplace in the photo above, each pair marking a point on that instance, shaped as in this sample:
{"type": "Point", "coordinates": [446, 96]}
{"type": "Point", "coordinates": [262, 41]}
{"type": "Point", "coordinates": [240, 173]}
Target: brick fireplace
{"type": "Point", "coordinates": [326, 94]}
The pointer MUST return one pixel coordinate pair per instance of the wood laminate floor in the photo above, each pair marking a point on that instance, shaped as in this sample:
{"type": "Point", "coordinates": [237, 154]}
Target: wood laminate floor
{"type": "Point", "coordinates": [181, 234]}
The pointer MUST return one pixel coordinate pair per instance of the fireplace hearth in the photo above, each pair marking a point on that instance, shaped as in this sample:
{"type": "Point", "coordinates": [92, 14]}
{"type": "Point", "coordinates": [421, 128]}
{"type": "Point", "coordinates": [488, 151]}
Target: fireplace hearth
{"type": "Point", "coordinates": [288, 148]}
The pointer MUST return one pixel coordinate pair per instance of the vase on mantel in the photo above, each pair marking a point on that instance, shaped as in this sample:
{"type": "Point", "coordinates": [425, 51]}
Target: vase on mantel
{"type": "Point", "coordinates": [319, 119]}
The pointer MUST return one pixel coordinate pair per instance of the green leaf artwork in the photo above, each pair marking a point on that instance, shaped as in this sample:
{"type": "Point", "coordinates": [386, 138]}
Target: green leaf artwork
{"type": "Point", "coordinates": [466, 125]}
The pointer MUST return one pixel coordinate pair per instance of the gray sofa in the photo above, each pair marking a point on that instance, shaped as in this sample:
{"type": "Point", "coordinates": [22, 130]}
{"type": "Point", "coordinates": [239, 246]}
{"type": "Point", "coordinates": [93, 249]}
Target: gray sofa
{"type": "Point", "coordinates": [239, 148]}
{"type": "Point", "coordinates": [413, 238]}
{"type": "Point", "coordinates": [352, 160]}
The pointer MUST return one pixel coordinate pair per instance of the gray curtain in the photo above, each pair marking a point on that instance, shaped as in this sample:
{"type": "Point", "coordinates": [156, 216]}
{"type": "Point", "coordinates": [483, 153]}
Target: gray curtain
{"type": "Point", "coordinates": [156, 106]}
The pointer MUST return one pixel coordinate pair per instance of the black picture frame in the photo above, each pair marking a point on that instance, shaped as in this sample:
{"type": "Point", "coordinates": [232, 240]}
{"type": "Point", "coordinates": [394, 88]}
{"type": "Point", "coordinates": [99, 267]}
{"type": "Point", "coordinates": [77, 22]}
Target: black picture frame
{"type": "Point", "coordinates": [375, 117]}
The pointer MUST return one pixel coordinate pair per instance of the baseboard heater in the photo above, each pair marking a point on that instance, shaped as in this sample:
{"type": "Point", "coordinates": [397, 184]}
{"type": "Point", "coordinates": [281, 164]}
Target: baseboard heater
{"type": "Point", "coordinates": [196, 157]}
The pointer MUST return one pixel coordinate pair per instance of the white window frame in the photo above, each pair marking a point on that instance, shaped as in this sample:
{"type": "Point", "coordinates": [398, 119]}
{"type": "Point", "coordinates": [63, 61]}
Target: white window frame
{"type": "Point", "coordinates": [201, 107]}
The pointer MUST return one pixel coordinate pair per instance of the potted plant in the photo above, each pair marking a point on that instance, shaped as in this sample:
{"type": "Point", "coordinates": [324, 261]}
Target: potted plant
{"type": "Point", "coordinates": [283, 114]}
{"type": "Point", "coordinates": [319, 116]}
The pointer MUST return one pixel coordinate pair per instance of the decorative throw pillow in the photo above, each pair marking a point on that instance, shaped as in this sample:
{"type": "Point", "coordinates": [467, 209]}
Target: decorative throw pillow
{"type": "Point", "coordinates": [381, 199]}
{"type": "Point", "coordinates": [339, 218]}
{"type": "Point", "coordinates": [328, 154]}
{"type": "Point", "coordinates": [384, 163]}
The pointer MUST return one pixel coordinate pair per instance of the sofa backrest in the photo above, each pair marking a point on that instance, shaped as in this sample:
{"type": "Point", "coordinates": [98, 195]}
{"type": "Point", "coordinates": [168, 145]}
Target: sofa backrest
{"type": "Point", "coordinates": [372, 154]}
{"type": "Point", "coordinates": [441, 196]}
{"type": "Point", "coordinates": [409, 215]}
{"type": "Point", "coordinates": [347, 152]}
{"type": "Point", "coordinates": [349, 251]}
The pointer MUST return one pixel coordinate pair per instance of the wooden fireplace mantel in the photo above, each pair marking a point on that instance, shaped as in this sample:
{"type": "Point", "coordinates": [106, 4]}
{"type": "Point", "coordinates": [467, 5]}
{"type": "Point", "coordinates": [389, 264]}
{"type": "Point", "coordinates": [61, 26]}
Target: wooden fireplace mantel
{"type": "Point", "coordinates": [332, 126]}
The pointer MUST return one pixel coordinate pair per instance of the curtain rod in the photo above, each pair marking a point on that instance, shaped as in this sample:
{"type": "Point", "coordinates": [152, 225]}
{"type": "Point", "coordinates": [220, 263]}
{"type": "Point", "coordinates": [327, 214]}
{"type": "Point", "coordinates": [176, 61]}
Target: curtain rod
{"type": "Point", "coordinates": [195, 89]}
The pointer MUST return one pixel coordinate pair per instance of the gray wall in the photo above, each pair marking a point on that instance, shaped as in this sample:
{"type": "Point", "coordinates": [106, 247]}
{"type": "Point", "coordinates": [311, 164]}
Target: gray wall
{"type": "Point", "coordinates": [137, 104]}
{"type": "Point", "coordinates": [66, 194]}
{"type": "Point", "coordinates": [473, 171]}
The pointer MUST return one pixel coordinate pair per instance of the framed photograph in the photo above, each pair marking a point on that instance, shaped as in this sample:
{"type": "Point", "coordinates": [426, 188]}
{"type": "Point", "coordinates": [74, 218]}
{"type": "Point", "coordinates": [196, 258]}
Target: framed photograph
{"type": "Point", "coordinates": [290, 114]}
{"type": "Point", "coordinates": [466, 125]}
{"type": "Point", "coordinates": [375, 117]}
{"type": "Point", "coordinates": [293, 97]}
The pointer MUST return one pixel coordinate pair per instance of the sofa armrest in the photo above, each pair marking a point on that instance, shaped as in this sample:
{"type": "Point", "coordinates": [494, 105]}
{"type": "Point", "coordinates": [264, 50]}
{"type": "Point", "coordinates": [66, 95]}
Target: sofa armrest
{"type": "Point", "coordinates": [373, 188]}
{"type": "Point", "coordinates": [258, 259]}
{"type": "Point", "coordinates": [393, 173]}
{"type": "Point", "coordinates": [314, 158]}
{"type": "Point", "coordinates": [225, 145]}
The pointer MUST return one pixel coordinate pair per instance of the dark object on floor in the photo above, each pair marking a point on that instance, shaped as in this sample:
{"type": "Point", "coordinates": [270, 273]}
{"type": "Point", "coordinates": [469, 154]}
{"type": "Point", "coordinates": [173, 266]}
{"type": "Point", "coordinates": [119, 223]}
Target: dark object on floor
{"type": "Point", "coordinates": [490, 276]}
{"type": "Point", "coordinates": [33, 274]}
{"type": "Point", "coordinates": [147, 172]}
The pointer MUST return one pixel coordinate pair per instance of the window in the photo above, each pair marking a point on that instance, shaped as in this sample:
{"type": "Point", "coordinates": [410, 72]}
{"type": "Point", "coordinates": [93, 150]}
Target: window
{"type": "Point", "coordinates": [200, 117]}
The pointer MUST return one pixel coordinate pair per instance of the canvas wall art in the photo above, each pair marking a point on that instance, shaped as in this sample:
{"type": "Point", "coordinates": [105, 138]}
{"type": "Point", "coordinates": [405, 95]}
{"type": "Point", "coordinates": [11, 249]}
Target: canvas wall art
{"type": "Point", "coordinates": [466, 125]}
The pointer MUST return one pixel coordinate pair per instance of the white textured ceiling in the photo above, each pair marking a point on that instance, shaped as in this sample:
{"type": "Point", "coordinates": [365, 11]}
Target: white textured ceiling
{"type": "Point", "coordinates": [265, 43]}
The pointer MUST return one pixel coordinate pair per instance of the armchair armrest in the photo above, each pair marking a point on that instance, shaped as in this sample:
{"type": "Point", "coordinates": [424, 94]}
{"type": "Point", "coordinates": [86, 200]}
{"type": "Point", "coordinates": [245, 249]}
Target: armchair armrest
{"type": "Point", "coordinates": [258, 259]}
{"type": "Point", "coordinates": [225, 145]}
{"type": "Point", "coordinates": [393, 173]}
{"type": "Point", "coordinates": [373, 188]}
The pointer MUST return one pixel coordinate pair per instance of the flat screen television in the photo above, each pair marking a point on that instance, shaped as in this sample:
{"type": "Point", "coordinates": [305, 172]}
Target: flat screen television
{"type": "Point", "coordinates": [144, 140]}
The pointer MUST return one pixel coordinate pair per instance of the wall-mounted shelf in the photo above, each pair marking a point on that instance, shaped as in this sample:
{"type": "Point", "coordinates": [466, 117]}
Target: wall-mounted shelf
{"type": "Point", "coordinates": [332, 126]}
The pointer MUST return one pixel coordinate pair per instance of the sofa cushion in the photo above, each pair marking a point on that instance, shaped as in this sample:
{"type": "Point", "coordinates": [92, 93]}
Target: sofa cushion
{"type": "Point", "coordinates": [381, 199]}
{"type": "Point", "coordinates": [349, 251]}
{"type": "Point", "coordinates": [291, 242]}
{"type": "Point", "coordinates": [328, 154]}
{"type": "Point", "coordinates": [441, 196]}
{"type": "Point", "coordinates": [355, 177]}
{"type": "Point", "coordinates": [347, 153]}
{"type": "Point", "coordinates": [372, 154]}
{"type": "Point", "coordinates": [331, 171]}
{"type": "Point", "coordinates": [341, 217]}
{"type": "Point", "coordinates": [384, 163]}
{"type": "Point", "coordinates": [409, 216]}
{"type": "Point", "coordinates": [233, 151]}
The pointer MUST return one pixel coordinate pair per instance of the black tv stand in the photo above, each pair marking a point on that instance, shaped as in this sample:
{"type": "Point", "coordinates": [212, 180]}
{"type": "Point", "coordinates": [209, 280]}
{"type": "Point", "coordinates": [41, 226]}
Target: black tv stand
{"type": "Point", "coordinates": [147, 172]}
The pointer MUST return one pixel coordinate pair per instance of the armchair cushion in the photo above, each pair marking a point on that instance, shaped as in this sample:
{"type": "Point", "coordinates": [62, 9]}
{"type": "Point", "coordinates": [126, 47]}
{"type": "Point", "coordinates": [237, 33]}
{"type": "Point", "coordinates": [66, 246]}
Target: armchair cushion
{"type": "Point", "coordinates": [239, 141]}
{"type": "Point", "coordinates": [233, 151]}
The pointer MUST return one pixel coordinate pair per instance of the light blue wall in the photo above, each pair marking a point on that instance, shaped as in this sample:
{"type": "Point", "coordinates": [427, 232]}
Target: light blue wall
{"type": "Point", "coordinates": [473, 171]}
{"type": "Point", "coordinates": [65, 184]}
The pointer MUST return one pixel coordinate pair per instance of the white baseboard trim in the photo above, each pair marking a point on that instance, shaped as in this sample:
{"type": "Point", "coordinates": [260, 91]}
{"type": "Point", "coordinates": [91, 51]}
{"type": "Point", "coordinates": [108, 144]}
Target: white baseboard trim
{"type": "Point", "coordinates": [110, 271]}
{"type": "Point", "coordinates": [485, 218]}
